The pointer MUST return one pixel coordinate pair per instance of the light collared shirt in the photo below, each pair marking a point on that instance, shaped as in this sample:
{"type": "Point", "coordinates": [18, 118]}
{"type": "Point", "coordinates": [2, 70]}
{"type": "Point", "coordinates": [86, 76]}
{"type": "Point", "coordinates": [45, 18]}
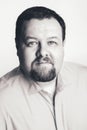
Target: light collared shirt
{"type": "Point", "coordinates": [25, 106]}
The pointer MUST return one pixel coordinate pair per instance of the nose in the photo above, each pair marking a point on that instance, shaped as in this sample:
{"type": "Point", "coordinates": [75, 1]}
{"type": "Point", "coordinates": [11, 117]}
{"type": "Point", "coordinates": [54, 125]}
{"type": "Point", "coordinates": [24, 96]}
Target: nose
{"type": "Point", "coordinates": [42, 50]}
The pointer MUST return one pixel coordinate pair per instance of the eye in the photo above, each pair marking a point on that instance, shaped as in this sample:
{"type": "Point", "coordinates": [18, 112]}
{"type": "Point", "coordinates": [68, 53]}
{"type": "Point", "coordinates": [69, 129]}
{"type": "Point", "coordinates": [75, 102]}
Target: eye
{"type": "Point", "coordinates": [31, 43]}
{"type": "Point", "coordinates": [52, 43]}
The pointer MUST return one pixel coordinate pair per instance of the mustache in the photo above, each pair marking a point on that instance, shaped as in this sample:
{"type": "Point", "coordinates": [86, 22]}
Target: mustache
{"type": "Point", "coordinates": [46, 59]}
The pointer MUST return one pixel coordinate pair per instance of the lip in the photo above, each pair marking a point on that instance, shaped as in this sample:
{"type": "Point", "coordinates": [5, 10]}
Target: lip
{"type": "Point", "coordinates": [44, 62]}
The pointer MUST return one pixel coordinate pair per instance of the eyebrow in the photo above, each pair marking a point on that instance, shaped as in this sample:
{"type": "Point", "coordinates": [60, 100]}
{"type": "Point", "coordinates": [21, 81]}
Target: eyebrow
{"type": "Point", "coordinates": [53, 37]}
{"type": "Point", "coordinates": [29, 37]}
{"type": "Point", "coordinates": [34, 38]}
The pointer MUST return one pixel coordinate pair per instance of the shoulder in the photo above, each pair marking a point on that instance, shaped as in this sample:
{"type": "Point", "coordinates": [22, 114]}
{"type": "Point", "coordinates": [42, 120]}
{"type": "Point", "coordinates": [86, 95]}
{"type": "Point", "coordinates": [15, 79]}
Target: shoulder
{"type": "Point", "coordinates": [73, 74]}
{"type": "Point", "coordinates": [7, 83]}
{"type": "Point", "coordinates": [71, 69]}
{"type": "Point", "coordinates": [13, 85]}
{"type": "Point", "coordinates": [74, 82]}
{"type": "Point", "coordinates": [9, 93]}
{"type": "Point", "coordinates": [9, 77]}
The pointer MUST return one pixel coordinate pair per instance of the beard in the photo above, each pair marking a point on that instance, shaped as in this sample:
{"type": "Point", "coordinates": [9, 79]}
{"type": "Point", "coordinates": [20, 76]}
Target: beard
{"type": "Point", "coordinates": [43, 72]}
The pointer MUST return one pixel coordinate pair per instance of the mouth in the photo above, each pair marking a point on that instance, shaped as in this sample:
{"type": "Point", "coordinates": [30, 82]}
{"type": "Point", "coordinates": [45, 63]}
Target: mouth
{"type": "Point", "coordinates": [43, 62]}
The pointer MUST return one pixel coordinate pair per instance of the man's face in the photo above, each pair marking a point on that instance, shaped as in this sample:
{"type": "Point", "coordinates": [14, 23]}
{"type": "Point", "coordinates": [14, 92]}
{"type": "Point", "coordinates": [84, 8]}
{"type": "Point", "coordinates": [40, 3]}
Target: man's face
{"type": "Point", "coordinates": [41, 49]}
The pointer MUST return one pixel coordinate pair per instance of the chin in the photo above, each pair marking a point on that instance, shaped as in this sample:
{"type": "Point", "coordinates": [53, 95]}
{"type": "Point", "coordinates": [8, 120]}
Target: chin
{"type": "Point", "coordinates": [43, 75]}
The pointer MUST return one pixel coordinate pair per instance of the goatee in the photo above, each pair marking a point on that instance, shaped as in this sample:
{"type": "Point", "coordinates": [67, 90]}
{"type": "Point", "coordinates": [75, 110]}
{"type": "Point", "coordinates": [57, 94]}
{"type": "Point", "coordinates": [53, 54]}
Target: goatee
{"type": "Point", "coordinates": [43, 75]}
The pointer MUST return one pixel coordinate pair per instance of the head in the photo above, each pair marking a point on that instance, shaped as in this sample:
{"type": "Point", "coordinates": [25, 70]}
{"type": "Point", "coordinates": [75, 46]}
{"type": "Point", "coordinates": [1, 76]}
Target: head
{"type": "Point", "coordinates": [40, 34]}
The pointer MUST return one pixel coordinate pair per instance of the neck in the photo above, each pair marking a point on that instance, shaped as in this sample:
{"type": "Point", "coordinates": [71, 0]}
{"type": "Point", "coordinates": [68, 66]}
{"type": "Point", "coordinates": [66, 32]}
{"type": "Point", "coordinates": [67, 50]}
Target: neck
{"type": "Point", "coordinates": [49, 87]}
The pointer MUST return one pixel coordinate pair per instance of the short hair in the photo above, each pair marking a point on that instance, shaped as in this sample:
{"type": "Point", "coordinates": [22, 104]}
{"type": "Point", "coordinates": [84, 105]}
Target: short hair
{"type": "Point", "coordinates": [38, 12]}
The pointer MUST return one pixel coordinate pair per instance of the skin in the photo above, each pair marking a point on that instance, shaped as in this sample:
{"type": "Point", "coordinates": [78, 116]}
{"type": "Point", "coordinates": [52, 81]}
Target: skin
{"type": "Point", "coordinates": [40, 39]}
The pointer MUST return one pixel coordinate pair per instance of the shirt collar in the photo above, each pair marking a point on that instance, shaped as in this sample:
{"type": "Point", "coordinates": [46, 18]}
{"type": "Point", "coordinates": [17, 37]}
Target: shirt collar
{"type": "Point", "coordinates": [32, 87]}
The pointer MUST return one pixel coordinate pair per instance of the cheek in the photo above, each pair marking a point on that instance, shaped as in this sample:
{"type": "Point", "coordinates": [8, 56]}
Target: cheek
{"type": "Point", "coordinates": [58, 54]}
{"type": "Point", "coordinates": [58, 58]}
{"type": "Point", "coordinates": [26, 57]}
{"type": "Point", "coordinates": [29, 57]}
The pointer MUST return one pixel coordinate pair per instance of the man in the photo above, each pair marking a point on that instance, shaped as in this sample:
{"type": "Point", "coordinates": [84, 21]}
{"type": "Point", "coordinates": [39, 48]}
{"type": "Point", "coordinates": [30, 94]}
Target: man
{"type": "Point", "coordinates": [36, 95]}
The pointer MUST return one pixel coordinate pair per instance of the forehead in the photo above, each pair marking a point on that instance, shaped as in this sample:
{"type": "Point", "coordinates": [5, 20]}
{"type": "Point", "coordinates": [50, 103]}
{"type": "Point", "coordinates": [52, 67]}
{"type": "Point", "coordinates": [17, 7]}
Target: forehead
{"type": "Point", "coordinates": [42, 26]}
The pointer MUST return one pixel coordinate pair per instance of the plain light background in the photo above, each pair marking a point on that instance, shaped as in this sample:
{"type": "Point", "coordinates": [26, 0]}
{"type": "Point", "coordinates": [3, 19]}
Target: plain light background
{"type": "Point", "coordinates": [74, 13]}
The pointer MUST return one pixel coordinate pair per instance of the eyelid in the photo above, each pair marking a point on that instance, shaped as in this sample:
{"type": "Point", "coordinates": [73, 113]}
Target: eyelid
{"type": "Point", "coordinates": [31, 43]}
{"type": "Point", "coordinates": [52, 41]}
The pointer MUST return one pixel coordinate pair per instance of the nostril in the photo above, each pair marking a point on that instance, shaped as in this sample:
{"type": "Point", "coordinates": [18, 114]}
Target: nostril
{"type": "Point", "coordinates": [38, 50]}
{"type": "Point", "coordinates": [46, 55]}
{"type": "Point", "coordinates": [42, 51]}
{"type": "Point", "coordinates": [38, 53]}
